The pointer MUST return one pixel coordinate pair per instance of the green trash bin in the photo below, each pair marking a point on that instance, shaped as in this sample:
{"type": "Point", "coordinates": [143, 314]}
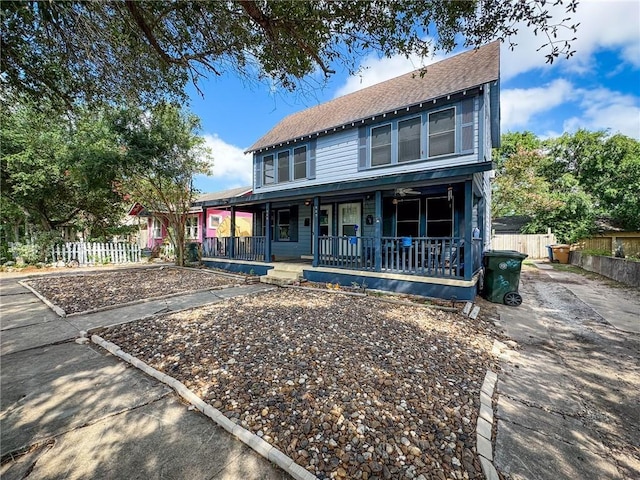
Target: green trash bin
{"type": "Point", "coordinates": [192, 253]}
{"type": "Point", "coordinates": [502, 276]}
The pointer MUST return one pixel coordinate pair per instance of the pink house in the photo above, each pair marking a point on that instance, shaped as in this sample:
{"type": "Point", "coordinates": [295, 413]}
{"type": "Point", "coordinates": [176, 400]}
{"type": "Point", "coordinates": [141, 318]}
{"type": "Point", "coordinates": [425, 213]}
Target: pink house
{"type": "Point", "coordinates": [216, 222]}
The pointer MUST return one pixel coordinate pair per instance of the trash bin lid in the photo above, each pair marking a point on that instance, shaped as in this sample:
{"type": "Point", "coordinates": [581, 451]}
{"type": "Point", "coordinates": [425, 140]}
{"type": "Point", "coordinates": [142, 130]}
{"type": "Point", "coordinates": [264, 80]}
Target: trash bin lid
{"type": "Point", "coordinates": [505, 253]}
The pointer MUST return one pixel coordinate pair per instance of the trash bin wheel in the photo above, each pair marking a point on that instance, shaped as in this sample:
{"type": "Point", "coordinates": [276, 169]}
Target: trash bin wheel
{"type": "Point", "coordinates": [513, 299]}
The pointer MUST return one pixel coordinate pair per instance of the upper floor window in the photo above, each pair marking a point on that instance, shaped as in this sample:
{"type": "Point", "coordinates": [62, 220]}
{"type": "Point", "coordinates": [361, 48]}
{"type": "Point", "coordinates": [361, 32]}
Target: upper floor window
{"type": "Point", "coordinates": [442, 132]}
{"type": "Point", "coordinates": [299, 163]}
{"type": "Point", "coordinates": [409, 139]}
{"type": "Point", "coordinates": [381, 145]}
{"type": "Point", "coordinates": [191, 227]}
{"type": "Point", "coordinates": [268, 170]}
{"type": "Point", "coordinates": [451, 130]}
{"type": "Point", "coordinates": [283, 167]}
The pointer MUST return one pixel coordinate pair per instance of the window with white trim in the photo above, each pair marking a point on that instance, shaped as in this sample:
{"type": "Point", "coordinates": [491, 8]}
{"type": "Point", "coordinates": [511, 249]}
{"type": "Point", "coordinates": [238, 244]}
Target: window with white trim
{"type": "Point", "coordinates": [191, 227]}
{"type": "Point", "coordinates": [214, 220]}
{"type": "Point", "coordinates": [156, 228]}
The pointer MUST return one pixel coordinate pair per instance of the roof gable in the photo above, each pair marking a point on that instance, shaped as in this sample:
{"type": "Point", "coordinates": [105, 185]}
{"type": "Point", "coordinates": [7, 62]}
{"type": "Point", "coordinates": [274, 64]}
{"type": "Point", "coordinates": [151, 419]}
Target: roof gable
{"type": "Point", "coordinates": [458, 73]}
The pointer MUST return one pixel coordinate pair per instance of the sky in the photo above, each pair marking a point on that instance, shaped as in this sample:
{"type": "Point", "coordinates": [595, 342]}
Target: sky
{"type": "Point", "coordinates": [596, 89]}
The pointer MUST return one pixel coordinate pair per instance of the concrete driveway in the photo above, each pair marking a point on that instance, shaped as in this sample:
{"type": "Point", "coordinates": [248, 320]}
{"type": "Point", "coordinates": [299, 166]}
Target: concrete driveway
{"type": "Point", "coordinates": [569, 394]}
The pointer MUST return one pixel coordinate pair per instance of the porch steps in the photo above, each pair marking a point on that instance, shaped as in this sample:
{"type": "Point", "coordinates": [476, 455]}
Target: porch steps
{"type": "Point", "coordinates": [283, 274]}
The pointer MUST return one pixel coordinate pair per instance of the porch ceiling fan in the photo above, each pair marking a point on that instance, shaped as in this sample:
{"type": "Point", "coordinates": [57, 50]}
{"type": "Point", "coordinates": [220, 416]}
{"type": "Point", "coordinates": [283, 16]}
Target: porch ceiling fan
{"type": "Point", "coordinates": [406, 191]}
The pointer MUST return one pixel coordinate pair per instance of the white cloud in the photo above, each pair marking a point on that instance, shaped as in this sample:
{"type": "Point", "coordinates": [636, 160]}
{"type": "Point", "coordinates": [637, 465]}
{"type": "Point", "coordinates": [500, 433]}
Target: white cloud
{"type": "Point", "coordinates": [591, 109]}
{"type": "Point", "coordinates": [375, 70]}
{"type": "Point", "coordinates": [230, 164]}
{"type": "Point", "coordinates": [519, 105]}
{"type": "Point", "coordinates": [603, 25]}
{"type": "Point", "coordinates": [606, 109]}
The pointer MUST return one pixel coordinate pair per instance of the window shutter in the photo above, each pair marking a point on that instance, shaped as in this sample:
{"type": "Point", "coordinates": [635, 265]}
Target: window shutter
{"type": "Point", "coordinates": [312, 160]}
{"type": "Point", "coordinates": [257, 171]}
{"type": "Point", "coordinates": [293, 223]}
{"type": "Point", "coordinates": [362, 148]}
{"type": "Point", "coordinates": [467, 125]}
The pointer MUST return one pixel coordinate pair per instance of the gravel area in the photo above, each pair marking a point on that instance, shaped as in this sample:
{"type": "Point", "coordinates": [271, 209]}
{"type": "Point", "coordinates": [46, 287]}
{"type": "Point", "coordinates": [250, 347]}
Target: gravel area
{"type": "Point", "coordinates": [349, 387]}
{"type": "Point", "coordinates": [79, 293]}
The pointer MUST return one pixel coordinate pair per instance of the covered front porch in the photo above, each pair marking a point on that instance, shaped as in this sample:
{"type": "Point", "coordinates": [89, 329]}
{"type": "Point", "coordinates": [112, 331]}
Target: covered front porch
{"type": "Point", "coordinates": [422, 234]}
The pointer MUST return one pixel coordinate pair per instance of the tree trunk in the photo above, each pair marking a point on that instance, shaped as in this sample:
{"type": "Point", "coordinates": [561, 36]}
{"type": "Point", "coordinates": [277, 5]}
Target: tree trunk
{"type": "Point", "coordinates": [180, 237]}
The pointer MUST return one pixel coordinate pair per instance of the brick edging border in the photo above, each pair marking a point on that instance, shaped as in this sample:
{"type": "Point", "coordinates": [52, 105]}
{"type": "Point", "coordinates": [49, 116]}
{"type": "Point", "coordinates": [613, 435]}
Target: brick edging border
{"type": "Point", "coordinates": [61, 313]}
{"type": "Point", "coordinates": [484, 426]}
{"type": "Point", "coordinates": [263, 448]}
{"type": "Point", "coordinates": [58, 311]}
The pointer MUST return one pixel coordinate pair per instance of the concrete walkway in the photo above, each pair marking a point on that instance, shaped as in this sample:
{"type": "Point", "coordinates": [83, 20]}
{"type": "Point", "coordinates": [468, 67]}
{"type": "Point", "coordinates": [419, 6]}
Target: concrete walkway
{"type": "Point", "coordinates": [569, 392]}
{"type": "Point", "coordinates": [72, 411]}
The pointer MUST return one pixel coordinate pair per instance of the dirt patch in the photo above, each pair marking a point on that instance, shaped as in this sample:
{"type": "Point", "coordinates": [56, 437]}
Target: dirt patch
{"type": "Point", "coordinates": [349, 387]}
{"type": "Point", "coordinates": [80, 293]}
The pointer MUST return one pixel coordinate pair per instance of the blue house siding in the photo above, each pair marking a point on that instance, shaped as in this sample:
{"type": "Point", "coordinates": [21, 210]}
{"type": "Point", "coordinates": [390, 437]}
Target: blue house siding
{"type": "Point", "coordinates": [368, 209]}
{"type": "Point", "coordinates": [289, 249]}
{"type": "Point", "coordinates": [337, 154]}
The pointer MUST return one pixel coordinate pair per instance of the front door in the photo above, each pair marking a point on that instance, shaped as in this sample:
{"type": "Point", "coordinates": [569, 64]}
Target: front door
{"type": "Point", "coordinates": [349, 217]}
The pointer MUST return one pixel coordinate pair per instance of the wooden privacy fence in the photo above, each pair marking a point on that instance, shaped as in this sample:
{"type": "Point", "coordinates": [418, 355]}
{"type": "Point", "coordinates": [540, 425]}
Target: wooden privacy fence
{"type": "Point", "coordinates": [628, 242]}
{"type": "Point", "coordinates": [533, 245]}
{"type": "Point", "coordinates": [86, 253]}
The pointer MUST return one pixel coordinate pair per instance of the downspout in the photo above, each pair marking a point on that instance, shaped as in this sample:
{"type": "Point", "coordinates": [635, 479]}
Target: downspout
{"type": "Point", "coordinates": [316, 231]}
{"type": "Point", "coordinates": [378, 232]}
{"type": "Point", "coordinates": [232, 239]}
{"type": "Point", "coordinates": [468, 234]}
{"type": "Point", "coordinates": [267, 241]}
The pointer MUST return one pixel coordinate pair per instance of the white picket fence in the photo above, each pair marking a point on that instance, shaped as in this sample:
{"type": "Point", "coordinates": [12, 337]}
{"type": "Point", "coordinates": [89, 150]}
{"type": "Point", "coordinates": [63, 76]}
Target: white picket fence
{"type": "Point", "coordinates": [92, 253]}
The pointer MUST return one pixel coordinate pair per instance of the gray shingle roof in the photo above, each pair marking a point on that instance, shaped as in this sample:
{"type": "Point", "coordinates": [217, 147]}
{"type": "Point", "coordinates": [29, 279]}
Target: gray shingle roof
{"type": "Point", "coordinates": [460, 72]}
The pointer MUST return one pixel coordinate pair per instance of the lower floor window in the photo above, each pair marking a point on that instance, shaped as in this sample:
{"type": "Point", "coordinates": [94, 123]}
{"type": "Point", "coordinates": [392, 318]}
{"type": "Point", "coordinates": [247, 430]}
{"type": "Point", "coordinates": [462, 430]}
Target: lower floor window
{"type": "Point", "coordinates": [156, 228]}
{"type": "Point", "coordinates": [439, 217]}
{"type": "Point", "coordinates": [283, 225]}
{"type": "Point", "coordinates": [191, 227]}
{"type": "Point", "coordinates": [408, 218]}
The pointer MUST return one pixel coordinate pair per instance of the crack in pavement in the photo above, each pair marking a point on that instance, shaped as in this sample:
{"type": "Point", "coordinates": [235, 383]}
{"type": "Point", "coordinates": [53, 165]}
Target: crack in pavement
{"type": "Point", "coordinates": [26, 448]}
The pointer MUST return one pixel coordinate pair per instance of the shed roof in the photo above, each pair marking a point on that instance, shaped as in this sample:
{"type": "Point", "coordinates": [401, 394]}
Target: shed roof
{"type": "Point", "coordinates": [232, 192]}
{"type": "Point", "coordinates": [458, 73]}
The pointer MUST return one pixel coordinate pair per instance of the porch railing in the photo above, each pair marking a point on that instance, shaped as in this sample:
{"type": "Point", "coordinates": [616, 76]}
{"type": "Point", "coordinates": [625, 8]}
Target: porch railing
{"type": "Point", "coordinates": [249, 248]}
{"type": "Point", "coordinates": [244, 248]}
{"type": "Point", "coordinates": [354, 253]}
{"type": "Point", "coordinates": [427, 256]}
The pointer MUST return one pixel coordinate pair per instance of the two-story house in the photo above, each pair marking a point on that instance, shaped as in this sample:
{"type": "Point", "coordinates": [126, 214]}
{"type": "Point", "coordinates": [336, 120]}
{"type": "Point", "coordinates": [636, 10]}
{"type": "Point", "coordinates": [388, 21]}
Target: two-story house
{"type": "Point", "coordinates": [388, 186]}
